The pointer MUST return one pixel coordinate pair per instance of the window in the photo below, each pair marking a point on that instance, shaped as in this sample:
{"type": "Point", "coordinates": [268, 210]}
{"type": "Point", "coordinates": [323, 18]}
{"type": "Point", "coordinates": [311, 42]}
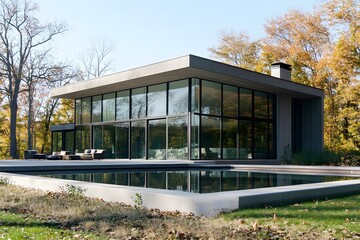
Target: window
{"type": "Point", "coordinates": [195, 95]}
{"type": "Point", "coordinates": [245, 102]}
{"type": "Point", "coordinates": [156, 98]}
{"type": "Point", "coordinates": [177, 138]}
{"type": "Point", "coordinates": [122, 105]}
{"type": "Point", "coordinates": [98, 137]}
{"type": "Point", "coordinates": [230, 101]}
{"type": "Point", "coordinates": [178, 97]}
{"type": "Point", "coordinates": [109, 141]}
{"type": "Point", "coordinates": [78, 111]}
{"type": "Point", "coordinates": [138, 103]}
{"type": "Point", "coordinates": [195, 135]}
{"type": "Point", "coordinates": [109, 107]}
{"type": "Point", "coordinates": [260, 140]}
{"type": "Point", "coordinates": [245, 139]}
{"type": "Point", "coordinates": [260, 105]}
{"type": "Point", "coordinates": [122, 140]}
{"type": "Point", "coordinates": [85, 110]}
{"type": "Point", "coordinates": [96, 108]}
{"type": "Point", "coordinates": [229, 138]}
{"type": "Point", "coordinates": [211, 98]}
{"type": "Point", "coordinates": [210, 137]}
{"type": "Point", "coordinates": [138, 139]}
{"type": "Point", "coordinates": [157, 139]}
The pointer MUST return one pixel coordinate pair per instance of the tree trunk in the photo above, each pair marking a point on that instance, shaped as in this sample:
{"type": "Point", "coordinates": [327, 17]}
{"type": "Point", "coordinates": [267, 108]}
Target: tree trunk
{"type": "Point", "coordinates": [13, 121]}
{"type": "Point", "coordinates": [29, 129]}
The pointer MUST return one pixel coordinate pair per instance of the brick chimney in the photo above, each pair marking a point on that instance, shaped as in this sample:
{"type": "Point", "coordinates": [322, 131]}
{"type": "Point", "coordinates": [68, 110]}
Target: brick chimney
{"type": "Point", "coordinates": [281, 70]}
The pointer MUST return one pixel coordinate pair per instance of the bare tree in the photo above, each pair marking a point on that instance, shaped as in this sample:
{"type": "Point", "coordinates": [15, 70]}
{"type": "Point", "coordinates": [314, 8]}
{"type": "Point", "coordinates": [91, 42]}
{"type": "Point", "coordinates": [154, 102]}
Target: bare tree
{"type": "Point", "coordinates": [20, 35]}
{"type": "Point", "coordinates": [95, 62]}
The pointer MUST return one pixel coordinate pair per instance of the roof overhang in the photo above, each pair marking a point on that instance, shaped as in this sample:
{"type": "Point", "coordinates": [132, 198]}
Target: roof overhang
{"type": "Point", "coordinates": [182, 68]}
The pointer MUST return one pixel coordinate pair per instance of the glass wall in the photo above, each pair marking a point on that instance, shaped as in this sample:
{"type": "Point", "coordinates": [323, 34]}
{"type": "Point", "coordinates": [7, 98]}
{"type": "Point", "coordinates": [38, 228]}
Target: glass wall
{"type": "Point", "coordinates": [183, 119]}
{"type": "Point", "coordinates": [157, 139]}
{"type": "Point", "coordinates": [137, 143]}
{"type": "Point", "coordinates": [122, 140]}
{"type": "Point", "coordinates": [210, 137]}
{"type": "Point", "coordinates": [138, 103]}
{"type": "Point", "coordinates": [96, 108]}
{"type": "Point", "coordinates": [122, 105]}
{"type": "Point", "coordinates": [156, 100]}
{"type": "Point", "coordinates": [177, 138]}
{"type": "Point", "coordinates": [178, 97]}
{"type": "Point", "coordinates": [234, 123]}
{"type": "Point", "coordinates": [108, 107]}
{"type": "Point", "coordinates": [85, 110]}
{"type": "Point", "coordinates": [210, 98]}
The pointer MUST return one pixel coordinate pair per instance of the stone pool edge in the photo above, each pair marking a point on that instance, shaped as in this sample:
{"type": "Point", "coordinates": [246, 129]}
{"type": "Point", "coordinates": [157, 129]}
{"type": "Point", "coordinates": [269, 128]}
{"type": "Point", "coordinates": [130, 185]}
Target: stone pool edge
{"type": "Point", "coordinates": [208, 204]}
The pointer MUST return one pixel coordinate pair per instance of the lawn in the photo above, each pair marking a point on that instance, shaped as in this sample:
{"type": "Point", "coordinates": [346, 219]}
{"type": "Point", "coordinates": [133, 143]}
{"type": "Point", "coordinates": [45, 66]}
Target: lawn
{"type": "Point", "coordinates": [33, 214]}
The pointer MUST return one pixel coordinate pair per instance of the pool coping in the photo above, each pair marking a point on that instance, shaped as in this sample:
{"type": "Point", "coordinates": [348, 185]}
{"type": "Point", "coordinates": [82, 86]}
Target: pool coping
{"type": "Point", "coordinates": [208, 204]}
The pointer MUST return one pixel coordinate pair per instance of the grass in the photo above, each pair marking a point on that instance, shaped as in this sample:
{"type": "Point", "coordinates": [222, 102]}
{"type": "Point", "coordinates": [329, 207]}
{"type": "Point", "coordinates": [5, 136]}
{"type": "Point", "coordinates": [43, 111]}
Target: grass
{"type": "Point", "coordinates": [18, 226]}
{"type": "Point", "coordinates": [33, 214]}
{"type": "Point", "coordinates": [339, 218]}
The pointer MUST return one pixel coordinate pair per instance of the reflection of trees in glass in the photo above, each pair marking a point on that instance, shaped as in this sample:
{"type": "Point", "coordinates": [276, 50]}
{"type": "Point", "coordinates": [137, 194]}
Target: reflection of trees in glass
{"type": "Point", "coordinates": [245, 102]}
{"type": "Point", "coordinates": [260, 105]}
{"type": "Point", "coordinates": [138, 103]}
{"type": "Point", "coordinates": [261, 139]}
{"type": "Point", "coordinates": [211, 98]}
{"type": "Point", "coordinates": [96, 108]}
{"type": "Point", "coordinates": [177, 180]}
{"type": "Point", "coordinates": [109, 107]}
{"type": "Point", "coordinates": [156, 180]}
{"type": "Point", "coordinates": [195, 133]}
{"type": "Point", "coordinates": [98, 137]}
{"type": "Point", "coordinates": [157, 139]}
{"type": "Point", "coordinates": [230, 101]}
{"type": "Point", "coordinates": [86, 109]}
{"type": "Point", "coordinates": [122, 140]}
{"type": "Point", "coordinates": [122, 105]}
{"type": "Point", "coordinates": [78, 111]}
{"type": "Point", "coordinates": [177, 138]}
{"type": "Point", "coordinates": [271, 142]}
{"type": "Point", "coordinates": [156, 100]}
{"type": "Point", "coordinates": [229, 138]}
{"type": "Point", "coordinates": [137, 179]}
{"type": "Point", "coordinates": [138, 139]}
{"type": "Point", "coordinates": [195, 95]}
{"type": "Point", "coordinates": [245, 139]}
{"type": "Point", "coordinates": [109, 141]}
{"type": "Point", "coordinates": [178, 97]}
{"type": "Point", "coordinates": [210, 137]}
{"type": "Point", "coordinates": [271, 105]}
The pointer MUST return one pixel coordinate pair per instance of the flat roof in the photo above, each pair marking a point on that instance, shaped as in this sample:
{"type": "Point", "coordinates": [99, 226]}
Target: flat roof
{"type": "Point", "coordinates": [181, 68]}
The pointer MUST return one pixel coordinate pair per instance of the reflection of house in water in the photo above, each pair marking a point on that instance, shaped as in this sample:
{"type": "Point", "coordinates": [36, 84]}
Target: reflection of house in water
{"type": "Point", "coordinates": [193, 108]}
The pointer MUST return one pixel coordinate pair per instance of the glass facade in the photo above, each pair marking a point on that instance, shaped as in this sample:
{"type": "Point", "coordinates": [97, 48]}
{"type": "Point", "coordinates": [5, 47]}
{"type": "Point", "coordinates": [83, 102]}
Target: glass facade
{"type": "Point", "coordinates": [184, 119]}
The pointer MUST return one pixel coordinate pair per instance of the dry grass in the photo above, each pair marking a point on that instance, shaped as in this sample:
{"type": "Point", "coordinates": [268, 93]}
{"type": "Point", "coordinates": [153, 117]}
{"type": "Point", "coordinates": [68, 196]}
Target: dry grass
{"type": "Point", "coordinates": [119, 221]}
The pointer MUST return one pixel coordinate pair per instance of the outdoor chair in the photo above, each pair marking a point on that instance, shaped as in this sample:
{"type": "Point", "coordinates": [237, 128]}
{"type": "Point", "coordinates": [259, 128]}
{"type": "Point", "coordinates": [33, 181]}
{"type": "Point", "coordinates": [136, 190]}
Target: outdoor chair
{"type": "Point", "coordinates": [33, 154]}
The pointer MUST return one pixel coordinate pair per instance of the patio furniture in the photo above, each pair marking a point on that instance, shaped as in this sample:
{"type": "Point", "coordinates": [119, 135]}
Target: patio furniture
{"type": "Point", "coordinates": [33, 154]}
{"type": "Point", "coordinates": [53, 157]}
{"type": "Point", "coordinates": [90, 154]}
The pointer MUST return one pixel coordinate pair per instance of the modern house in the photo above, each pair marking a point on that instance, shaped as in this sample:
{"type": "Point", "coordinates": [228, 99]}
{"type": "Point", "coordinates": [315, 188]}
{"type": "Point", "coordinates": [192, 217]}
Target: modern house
{"type": "Point", "coordinates": [193, 108]}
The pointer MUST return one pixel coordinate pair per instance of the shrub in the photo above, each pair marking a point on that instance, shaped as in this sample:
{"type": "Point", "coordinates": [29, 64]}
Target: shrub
{"type": "Point", "coordinates": [325, 157]}
{"type": "Point", "coordinates": [4, 181]}
{"type": "Point", "coordinates": [73, 191]}
{"type": "Point", "coordinates": [351, 160]}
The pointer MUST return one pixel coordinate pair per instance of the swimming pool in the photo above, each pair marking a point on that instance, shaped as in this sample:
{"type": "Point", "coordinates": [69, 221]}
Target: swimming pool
{"type": "Point", "coordinates": [173, 194]}
{"type": "Point", "coordinates": [195, 180]}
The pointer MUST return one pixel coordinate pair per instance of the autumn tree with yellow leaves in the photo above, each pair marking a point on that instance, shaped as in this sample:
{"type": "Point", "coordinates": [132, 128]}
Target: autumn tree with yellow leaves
{"type": "Point", "coordinates": [323, 48]}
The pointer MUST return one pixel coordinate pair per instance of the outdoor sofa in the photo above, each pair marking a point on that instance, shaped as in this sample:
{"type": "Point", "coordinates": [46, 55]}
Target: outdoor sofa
{"type": "Point", "coordinates": [33, 154]}
{"type": "Point", "coordinates": [90, 154]}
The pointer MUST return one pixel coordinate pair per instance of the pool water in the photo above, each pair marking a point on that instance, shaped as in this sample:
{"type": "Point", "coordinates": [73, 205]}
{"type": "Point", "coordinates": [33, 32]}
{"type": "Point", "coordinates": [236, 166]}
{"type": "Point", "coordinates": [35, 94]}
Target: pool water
{"type": "Point", "coordinates": [196, 181]}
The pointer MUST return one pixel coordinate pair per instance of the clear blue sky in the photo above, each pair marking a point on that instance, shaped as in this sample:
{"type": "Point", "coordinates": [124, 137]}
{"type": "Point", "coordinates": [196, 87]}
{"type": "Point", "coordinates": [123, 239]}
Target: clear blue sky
{"type": "Point", "coordinates": [148, 31]}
